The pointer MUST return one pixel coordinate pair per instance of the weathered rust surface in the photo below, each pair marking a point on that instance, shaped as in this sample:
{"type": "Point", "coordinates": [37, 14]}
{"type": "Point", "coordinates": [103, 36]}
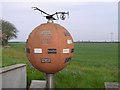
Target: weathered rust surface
{"type": "Point", "coordinates": [49, 47]}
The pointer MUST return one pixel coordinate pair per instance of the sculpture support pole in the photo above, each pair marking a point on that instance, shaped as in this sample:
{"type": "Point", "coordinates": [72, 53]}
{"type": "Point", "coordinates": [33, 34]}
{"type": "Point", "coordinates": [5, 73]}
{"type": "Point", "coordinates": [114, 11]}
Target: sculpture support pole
{"type": "Point", "coordinates": [50, 81]}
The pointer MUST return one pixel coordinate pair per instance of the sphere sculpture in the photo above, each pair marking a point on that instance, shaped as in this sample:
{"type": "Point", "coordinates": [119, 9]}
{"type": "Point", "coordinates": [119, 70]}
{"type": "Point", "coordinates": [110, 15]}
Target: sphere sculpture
{"type": "Point", "coordinates": [49, 47]}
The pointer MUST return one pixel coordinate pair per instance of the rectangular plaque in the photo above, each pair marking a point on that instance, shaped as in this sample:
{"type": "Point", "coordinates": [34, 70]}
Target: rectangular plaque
{"type": "Point", "coordinates": [67, 59]}
{"type": "Point", "coordinates": [66, 50]}
{"type": "Point", "coordinates": [69, 41]}
{"type": "Point", "coordinates": [72, 50]}
{"type": "Point", "coordinates": [46, 32]}
{"type": "Point", "coordinates": [45, 41]}
{"type": "Point", "coordinates": [52, 51]}
{"type": "Point", "coordinates": [45, 60]}
{"type": "Point", "coordinates": [27, 50]}
{"type": "Point", "coordinates": [37, 50]}
{"type": "Point", "coordinates": [66, 34]}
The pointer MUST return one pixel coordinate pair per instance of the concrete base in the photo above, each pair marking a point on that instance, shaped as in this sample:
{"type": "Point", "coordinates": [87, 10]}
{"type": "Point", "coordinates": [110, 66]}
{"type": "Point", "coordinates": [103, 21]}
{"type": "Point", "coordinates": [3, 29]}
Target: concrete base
{"type": "Point", "coordinates": [112, 86]}
{"type": "Point", "coordinates": [13, 76]}
{"type": "Point", "coordinates": [38, 84]}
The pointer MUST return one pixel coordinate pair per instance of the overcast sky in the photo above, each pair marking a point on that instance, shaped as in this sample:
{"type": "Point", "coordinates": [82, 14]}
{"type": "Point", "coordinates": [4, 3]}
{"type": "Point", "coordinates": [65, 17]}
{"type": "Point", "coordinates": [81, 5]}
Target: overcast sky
{"type": "Point", "coordinates": [87, 21]}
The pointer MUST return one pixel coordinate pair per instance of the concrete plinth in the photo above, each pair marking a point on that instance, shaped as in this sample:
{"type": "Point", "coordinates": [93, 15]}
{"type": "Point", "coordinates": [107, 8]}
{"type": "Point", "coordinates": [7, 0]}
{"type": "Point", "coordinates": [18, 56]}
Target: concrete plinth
{"type": "Point", "coordinates": [38, 84]}
{"type": "Point", "coordinates": [112, 86]}
{"type": "Point", "coordinates": [13, 76]}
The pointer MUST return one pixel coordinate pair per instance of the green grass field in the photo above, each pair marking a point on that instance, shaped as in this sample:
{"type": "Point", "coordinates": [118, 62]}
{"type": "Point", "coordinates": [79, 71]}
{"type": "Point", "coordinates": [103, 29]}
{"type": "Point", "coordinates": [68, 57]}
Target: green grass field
{"type": "Point", "coordinates": [92, 65]}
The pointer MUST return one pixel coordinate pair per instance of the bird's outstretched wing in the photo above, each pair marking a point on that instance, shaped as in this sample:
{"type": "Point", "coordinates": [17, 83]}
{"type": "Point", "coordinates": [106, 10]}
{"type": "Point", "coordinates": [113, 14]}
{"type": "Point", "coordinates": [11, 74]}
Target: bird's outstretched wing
{"type": "Point", "coordinates": [35, 8]}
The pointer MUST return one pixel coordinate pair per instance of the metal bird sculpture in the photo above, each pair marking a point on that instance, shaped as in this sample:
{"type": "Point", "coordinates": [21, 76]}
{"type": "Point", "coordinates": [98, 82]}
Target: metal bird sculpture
{"type": "Point", "coordinates": [61, 15]}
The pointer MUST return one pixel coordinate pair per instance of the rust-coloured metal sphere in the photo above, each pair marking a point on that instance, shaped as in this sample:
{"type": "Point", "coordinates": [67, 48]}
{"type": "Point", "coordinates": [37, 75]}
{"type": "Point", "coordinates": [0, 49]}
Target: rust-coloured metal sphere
{"type": "Point", "coordinates": [49, 47]}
